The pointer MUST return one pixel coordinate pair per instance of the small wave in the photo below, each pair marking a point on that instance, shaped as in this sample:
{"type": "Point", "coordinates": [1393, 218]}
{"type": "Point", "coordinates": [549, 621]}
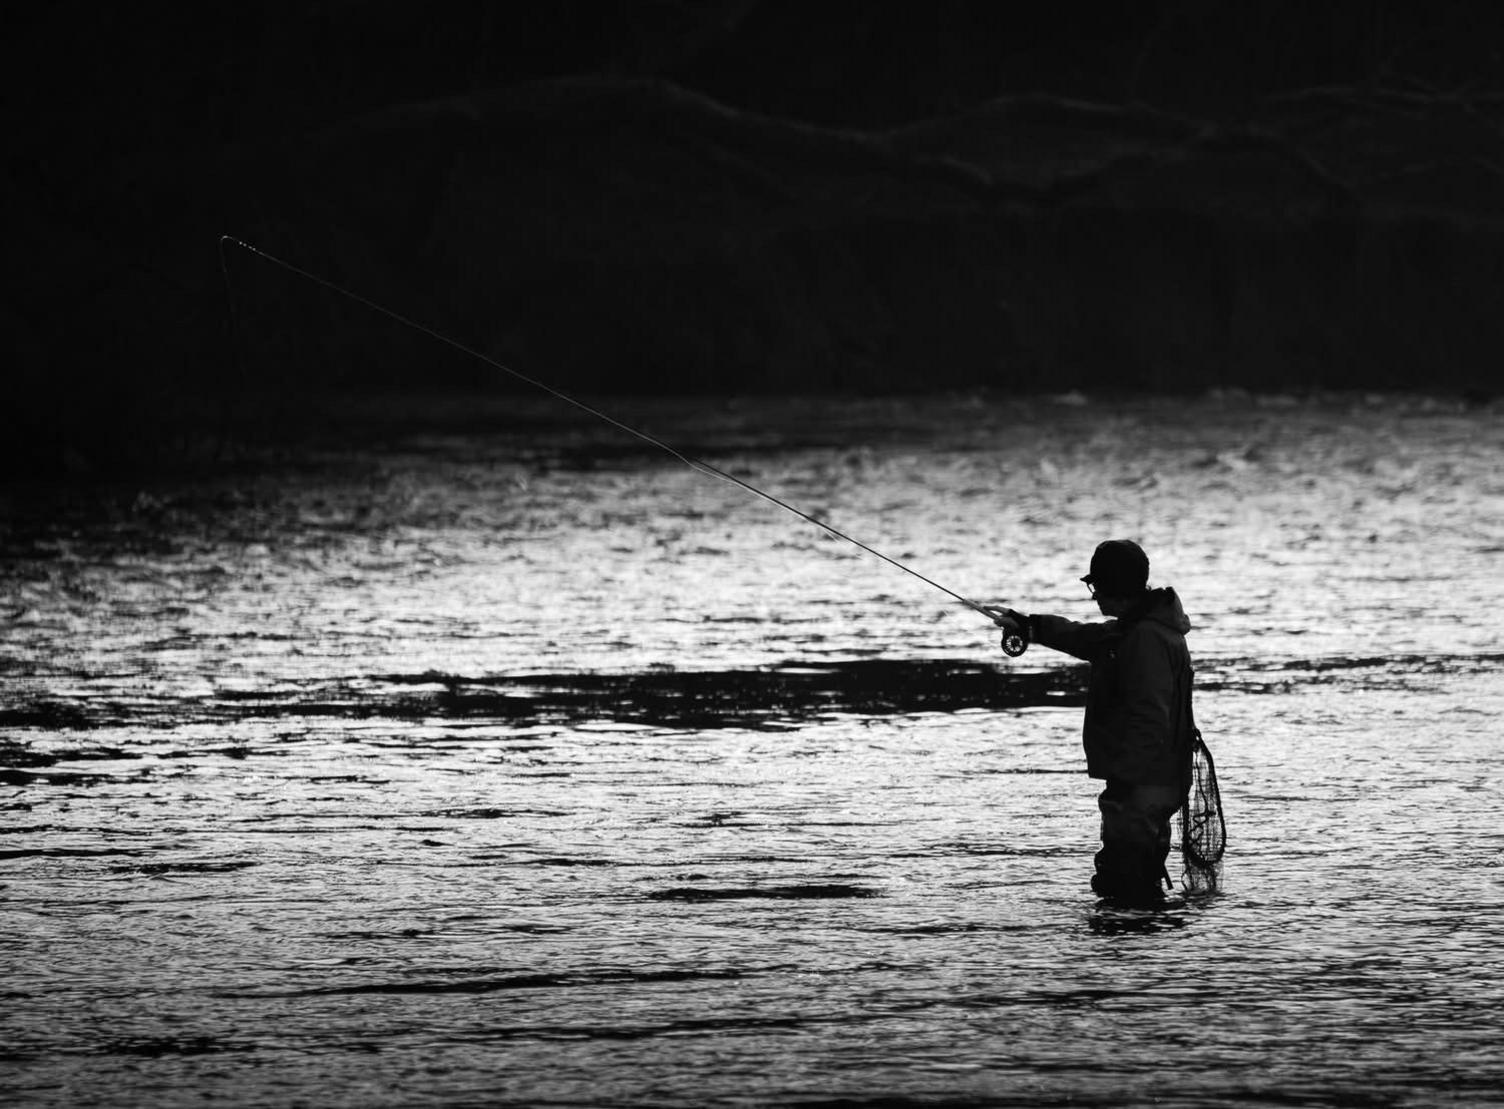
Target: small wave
{"type": "Point", "coordinates": [59, 778]}
{"type": "Point", "coordinates": [493, 813]}
{"type": "Point", "coordinates": [50, 715]}
{"type": "Point", "coordinates": [1398, 671]}
{"type": "Point", "coordinates": [501, 983]}
{"type": "Point", "coordinates": [959, 929]}
{"type": "Point", "coordinates": [64, 852]}
{"type": "Point", "coordinates": [19, 755]}
{"type": "Point", "coordinates": [815, 892]}
{"type": "Point", "coordinates": [545, 860]}
{"type": "Point", "coordinates": [186, 867]}
{"type": "Point", "coordinates": [715, 1025]}
{"type": "Point", "coordinates": [156, 1047]}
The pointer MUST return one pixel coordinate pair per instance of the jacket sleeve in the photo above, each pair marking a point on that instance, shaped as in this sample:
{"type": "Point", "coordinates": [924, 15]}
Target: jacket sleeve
{"type": "Point", "coordinates": [1084, 641]}
{"type": "Point", "coordinates": [1147, 681]}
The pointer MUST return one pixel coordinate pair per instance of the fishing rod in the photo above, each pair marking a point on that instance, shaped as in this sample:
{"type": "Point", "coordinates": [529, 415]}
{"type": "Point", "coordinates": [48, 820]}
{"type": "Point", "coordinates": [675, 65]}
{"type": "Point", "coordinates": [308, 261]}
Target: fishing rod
{"type": "Point", "coordinates": [1015, 641]}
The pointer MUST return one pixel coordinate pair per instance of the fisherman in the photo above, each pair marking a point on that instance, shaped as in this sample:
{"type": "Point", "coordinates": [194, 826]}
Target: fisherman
{"type": "Point", "coordinates": [1138, 729]}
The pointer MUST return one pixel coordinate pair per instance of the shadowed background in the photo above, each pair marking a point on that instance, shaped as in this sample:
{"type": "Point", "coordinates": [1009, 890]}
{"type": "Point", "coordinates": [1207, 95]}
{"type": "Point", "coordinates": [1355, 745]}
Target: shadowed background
{"type": "Point", "coordinates": [735, 197]}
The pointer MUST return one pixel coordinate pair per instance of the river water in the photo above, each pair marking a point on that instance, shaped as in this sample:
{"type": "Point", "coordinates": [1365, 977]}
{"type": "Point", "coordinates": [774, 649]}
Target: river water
{"type": "Point", "coordinates": [503, 759]}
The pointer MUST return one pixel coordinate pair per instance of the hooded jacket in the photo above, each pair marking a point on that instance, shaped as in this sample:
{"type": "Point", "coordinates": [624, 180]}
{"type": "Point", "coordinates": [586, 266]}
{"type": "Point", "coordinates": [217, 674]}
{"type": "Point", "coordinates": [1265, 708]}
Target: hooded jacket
{"type": "Point", "coordinates": [1138, 726]}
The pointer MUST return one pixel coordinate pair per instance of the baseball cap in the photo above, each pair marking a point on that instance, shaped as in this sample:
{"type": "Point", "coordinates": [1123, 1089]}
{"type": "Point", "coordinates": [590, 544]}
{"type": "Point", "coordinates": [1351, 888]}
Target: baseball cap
{"type": "Point", "coordinates": [1119, 568]}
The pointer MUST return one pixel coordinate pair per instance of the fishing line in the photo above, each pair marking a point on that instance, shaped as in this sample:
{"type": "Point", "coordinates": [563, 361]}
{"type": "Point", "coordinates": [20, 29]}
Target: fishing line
{"type": "Point", "coordinates": [693, 463]}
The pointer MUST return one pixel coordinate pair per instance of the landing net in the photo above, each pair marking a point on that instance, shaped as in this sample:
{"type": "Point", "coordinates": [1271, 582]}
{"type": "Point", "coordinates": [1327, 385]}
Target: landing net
{"type": "Point", "coordinates": [1203, 832]}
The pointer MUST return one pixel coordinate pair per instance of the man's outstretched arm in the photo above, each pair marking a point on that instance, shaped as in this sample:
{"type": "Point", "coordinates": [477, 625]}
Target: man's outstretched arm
{"type": "Point", "coordinates": [1080, 640]}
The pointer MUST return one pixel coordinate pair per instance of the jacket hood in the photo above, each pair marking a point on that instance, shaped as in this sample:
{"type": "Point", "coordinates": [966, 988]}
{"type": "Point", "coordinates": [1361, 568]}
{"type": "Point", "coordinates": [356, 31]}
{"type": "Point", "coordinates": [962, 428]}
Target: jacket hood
{"type": "Point", "coordinates": [1163, 607]}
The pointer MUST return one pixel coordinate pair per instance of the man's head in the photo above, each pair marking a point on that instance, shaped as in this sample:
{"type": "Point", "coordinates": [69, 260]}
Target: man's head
{"type": "Point", "coordinates": [1119, 575]}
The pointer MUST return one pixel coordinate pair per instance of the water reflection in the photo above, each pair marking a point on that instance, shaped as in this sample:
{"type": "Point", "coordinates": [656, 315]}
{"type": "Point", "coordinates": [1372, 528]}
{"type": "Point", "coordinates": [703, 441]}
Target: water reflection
{"type": "Point", "coordinates": [531, 767]}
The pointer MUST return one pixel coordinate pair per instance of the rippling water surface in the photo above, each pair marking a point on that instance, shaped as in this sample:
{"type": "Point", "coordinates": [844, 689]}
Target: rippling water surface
{"type": "Point", "coordinates": [513, 762]}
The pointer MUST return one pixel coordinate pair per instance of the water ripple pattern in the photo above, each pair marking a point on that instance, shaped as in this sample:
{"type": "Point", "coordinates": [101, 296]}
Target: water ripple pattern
{"type": "Point", "coordinates": [507, 762]}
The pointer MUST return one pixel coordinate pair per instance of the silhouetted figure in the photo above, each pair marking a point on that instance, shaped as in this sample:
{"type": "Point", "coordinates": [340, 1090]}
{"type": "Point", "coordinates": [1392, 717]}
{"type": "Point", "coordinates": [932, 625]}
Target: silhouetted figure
{"type": "Point", "coordinates": [1139, 729]}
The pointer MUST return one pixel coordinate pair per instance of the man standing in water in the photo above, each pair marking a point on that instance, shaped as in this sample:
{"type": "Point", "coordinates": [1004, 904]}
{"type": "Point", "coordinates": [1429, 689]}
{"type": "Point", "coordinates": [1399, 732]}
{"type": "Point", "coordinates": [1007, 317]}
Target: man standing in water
{"type": "Point", "coordinates": [1138, 729]}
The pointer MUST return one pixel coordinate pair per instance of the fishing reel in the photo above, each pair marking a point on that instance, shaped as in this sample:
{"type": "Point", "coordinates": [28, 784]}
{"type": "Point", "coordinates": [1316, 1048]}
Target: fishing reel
{"type": "Point", "coordinates": [1015, 638]}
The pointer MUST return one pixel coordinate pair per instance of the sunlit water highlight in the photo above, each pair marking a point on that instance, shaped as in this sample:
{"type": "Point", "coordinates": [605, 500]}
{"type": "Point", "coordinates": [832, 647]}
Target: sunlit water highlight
{"type": "Point", "coordinates": [526, 766]}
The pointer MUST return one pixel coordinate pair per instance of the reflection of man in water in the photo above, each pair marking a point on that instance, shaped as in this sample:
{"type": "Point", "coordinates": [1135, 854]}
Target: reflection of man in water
{"type": "Point", "coordinates": [1138, 726]}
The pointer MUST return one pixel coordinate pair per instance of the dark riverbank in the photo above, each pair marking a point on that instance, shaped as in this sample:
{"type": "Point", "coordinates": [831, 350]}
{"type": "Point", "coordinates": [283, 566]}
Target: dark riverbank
{"type": "Point", "coordinates": [663, 229]}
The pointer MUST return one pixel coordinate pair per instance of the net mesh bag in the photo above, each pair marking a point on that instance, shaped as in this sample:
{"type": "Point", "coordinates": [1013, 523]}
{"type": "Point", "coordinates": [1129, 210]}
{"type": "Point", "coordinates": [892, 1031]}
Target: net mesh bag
{"type": "Point", "coordinates": [1203, 832]}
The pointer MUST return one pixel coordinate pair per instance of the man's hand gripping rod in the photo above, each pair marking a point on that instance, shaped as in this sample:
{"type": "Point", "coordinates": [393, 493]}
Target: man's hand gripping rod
{"type": "Point", "coordinates": [1015, 630]}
